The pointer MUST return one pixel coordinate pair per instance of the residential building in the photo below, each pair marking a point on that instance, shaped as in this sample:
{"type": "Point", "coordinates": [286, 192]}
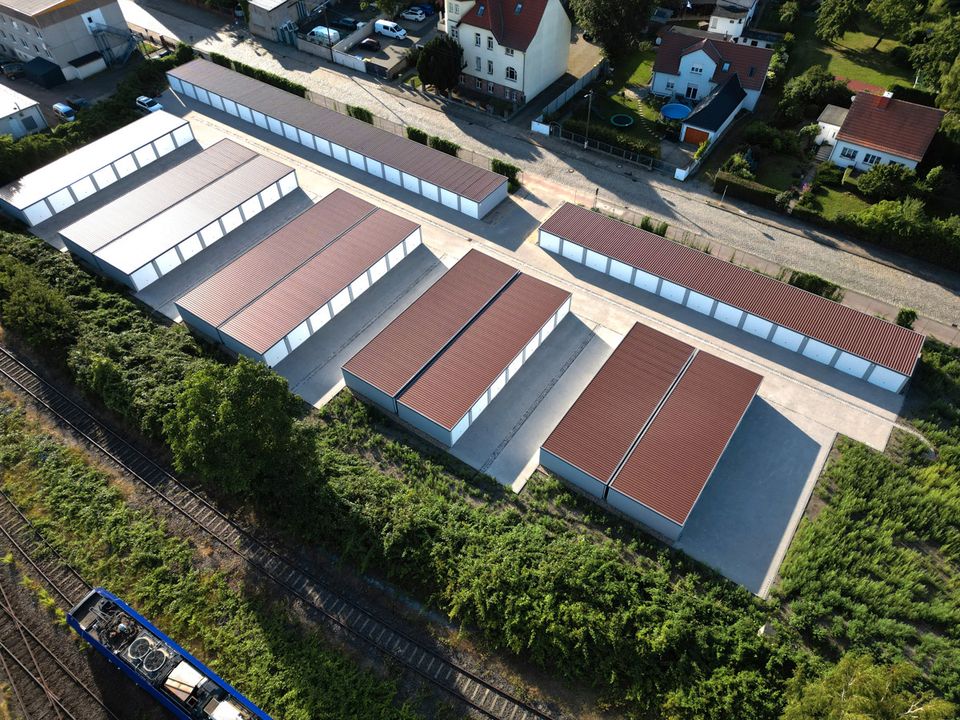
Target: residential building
{"type": "Point", "coordinates": [877, 130]}
{"type": "Point", "coordinates": [19, 115]}
{"type": "Point", "coordinates": [512, 49]}
{"type": "Point", "coordinates": [731, 17]}
{"type": "Point", "coordinates": [714, 114]}
{"type": "Point", "coordinates": [80, 37]}
{"type": "Point", "coordinates": [691, 67]}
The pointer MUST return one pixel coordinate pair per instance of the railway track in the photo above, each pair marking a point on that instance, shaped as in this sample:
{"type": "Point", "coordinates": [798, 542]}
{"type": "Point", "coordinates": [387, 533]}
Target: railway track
{"type": "Point", "coordinates": [392, 642]}
{"type": "Point", "coordinates": [42, 686]}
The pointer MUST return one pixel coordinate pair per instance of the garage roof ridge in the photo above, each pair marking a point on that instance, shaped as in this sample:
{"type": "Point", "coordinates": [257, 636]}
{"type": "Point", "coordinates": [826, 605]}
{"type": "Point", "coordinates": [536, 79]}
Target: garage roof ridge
{"type": "Point", "coordinates": [426, 366]}
{"type": "Point", "coordinates": [291, 271]}
{"type": "Point", "coordinates": [653, 416]}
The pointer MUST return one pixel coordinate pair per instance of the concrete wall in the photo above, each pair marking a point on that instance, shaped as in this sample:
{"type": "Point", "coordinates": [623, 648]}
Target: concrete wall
{"type": "Point", "coordinates": [859, 162]}
{"type": "Point", "coordinates": [264, 23]}
{"type": "Point", "coordinates": [376, 395]}
{"type": "Point", "coordinates": [727, 314]}
{"type": "Point", "coordinates": [827, 134]}
{"type": "Point", "coordinates": [733, 27]}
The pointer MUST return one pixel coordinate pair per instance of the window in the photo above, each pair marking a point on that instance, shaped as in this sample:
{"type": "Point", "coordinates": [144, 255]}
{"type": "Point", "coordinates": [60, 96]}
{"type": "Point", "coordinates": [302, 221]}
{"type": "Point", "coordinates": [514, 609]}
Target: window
{"type": "Point", "coordinates": [477, 62]}
{"type": "Point", "coordinates": [490, 87]}
{"type": "Point", "coordinates": [669, 85]}
{"type": "Point", "coordinates": [696, 70]}
{"type": "Point", "coordinates": [489, 67]}
{"type": "Point", "coordinates": [870, 159]}
{"type": "Point", "coordinates": [508, 51]}
{"type": "Point", "coordinates": [456, 8]}
{"type": "Point", "coordinates": [489, 43]}
{"type": "Point", "coordinates": [511, 74]}
{"type": "Point", "coordinates": [517, 8]}
{"type": "Point", "coordinates": [725, 67]}
{"type": "Point", "coordinates": [848, 153]}
{"type": "Point", "coordinates": [455, 33]}
{"type": "Point", "coordinates": [476, 39]}
{"type": "Point", "coordinates": [478, 84]}
{"type": "Point", "coordinates": [692, 91]}
{"type": "Point", "coordinates": [753, 43]}
{"type": "Point", "coordinates": [513, 95]}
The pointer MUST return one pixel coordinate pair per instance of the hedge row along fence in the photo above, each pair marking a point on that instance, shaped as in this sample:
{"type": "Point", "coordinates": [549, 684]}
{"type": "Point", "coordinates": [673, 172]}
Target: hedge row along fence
{"type": "Point", "coordinates": [258, 74]}
{"type": "Point", "coordinates": [596, 131]}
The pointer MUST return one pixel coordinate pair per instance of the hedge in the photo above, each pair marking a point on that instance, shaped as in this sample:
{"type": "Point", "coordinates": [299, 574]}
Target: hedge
{"type": "Point", "coordinates": [743, 189]}
{"type": "Point", "coordinates": [417, 135]}
{"type": "Point", "coordinates": [511, 172]}
{"type": "Point", "coordinates": [443, 145]}
{"type": "Point", "coordinates": [261, 75]}
{"type": "Point", "coordinates": [360, 113]}
{"type": "Point", "coordinates": [611, 137]}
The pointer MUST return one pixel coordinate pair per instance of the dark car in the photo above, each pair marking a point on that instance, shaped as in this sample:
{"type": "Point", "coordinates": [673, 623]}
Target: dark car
{"type": "Point", "coordinates": [77, 102]}
{"type": "Point", "coordinates": [427, 8]}
{"type": "Point", "coordinates": [347, 23]}
{"type": "Point", "coordinates": [13, 70]}
{"type": "Point", "coordinates": [369, 44]}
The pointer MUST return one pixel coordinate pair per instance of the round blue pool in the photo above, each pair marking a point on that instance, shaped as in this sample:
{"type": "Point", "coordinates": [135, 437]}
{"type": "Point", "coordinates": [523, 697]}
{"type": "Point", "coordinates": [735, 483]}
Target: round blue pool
{"type": "Point", "coordinates": [674, 111]}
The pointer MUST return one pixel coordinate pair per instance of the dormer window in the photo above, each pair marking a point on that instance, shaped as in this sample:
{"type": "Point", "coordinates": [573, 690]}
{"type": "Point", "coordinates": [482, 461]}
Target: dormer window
{"type": "Point", "coordinates": [726, 66]}
{"type": "Point", "coordinates": [517, 8]}
{"type": "Point", "coordinates": [696, 70]}
{"type": "Point", "coordinates": [480, 10]}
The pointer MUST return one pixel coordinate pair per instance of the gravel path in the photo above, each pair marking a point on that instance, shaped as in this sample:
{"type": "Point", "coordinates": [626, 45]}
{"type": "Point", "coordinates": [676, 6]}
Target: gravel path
{"type": "Point", "coordinates": [934, 292]}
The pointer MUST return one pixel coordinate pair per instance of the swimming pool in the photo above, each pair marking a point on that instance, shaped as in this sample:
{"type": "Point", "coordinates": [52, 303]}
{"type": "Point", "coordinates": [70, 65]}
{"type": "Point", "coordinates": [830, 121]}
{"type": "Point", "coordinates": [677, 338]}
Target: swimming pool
{"type": "Point", "coordinates": [675, 111]}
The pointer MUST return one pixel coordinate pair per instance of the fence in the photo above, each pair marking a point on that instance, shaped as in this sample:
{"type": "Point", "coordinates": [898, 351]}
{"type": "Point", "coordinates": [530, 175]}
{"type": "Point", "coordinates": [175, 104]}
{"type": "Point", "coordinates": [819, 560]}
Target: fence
{"type": "Point", "coordinates": [645, 161]}
{"type": "Point", "coordinates": [579, 85]}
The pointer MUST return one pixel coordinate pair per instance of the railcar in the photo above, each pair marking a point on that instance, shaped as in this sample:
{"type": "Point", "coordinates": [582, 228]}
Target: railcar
{"type": "Point", "coordinates": [176, 679]}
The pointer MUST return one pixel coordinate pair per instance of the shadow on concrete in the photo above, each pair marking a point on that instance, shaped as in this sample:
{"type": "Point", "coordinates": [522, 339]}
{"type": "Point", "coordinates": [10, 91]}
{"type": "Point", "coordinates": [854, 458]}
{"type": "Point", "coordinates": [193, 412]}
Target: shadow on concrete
{"type": "Point", "coordinates": [829, 376]}
{"type": "Point", "coordinates": [505, 441]}
{"type": "Point", "coordinates": [161, 294]}
{"type": "Point", "coordinates": [313, 369]}
{"type": "Point", "coordinates": [745, 510]}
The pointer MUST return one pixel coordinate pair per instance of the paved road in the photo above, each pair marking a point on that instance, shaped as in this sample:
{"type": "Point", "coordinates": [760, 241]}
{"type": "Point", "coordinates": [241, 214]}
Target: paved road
{"type": "Point", "coordinates": [932, 291]}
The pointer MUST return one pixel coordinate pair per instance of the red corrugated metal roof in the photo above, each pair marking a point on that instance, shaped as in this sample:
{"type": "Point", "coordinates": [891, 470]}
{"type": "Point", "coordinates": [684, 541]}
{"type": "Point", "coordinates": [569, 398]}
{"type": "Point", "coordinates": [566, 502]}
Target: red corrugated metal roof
{"type": "Point", "coordinates": [452, 384]}
{"type": "Point", "coordinates": [884, 343]}
{"type": "Point", "coordinates": [602, 425]}
{"type": "Point", "coordinates": [671, 464]}
{"type": "Point", "coordinates": [893, 126]}
{"type": "Point", "coordinates": [266, 320]}
{"type": "Point", "coordinates": [444, 170]}
{"type": "Point", "coordinates": [402, 349]}
{"type": "Point", "coordinates": [238, 284]}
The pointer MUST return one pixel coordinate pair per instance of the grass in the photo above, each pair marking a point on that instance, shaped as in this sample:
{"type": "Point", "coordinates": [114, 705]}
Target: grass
{"type": "Point", "coordinates": [852, 57]}
{"type": "Point", "coordinates": [777, 171]}
{"type": "Point", "coordinates": [604, 107]}
{"type": "Point", "coordinates": [830, 202]}
{"type": "Point", "coordinates": [635, 69]}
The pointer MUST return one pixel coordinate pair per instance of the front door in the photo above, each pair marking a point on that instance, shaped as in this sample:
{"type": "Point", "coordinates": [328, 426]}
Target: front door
{"type": "Point", "coordinates": [692, 92]}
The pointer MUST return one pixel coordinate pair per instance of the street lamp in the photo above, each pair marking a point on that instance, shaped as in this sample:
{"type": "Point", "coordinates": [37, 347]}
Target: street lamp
{"type": "Point", "coordinates": [586, 137]}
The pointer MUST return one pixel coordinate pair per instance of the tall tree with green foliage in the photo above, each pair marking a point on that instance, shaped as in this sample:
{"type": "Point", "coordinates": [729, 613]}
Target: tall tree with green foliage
{"type": "Point", "coordinates": [232, 426]}
{"type": "Point", "coordinates": [857, 689]}
{"type": "Point", "coordinates": [440, 63]}
{"type": "Point", "coordinates": [835, 17]}
{"type": "Point", "coordinates": [949, 96]}
{"type": "Point", "coordinates": [617, 25]}
{"type": "Point", "coordinates": [894, 17]}
{"type": "Point", "coordinates": [806, 94]}
{"type": "Point", "coordinates": [932, 58]}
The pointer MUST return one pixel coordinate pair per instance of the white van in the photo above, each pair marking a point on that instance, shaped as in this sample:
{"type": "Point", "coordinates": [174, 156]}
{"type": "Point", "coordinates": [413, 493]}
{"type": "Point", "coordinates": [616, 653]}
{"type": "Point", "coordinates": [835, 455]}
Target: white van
{"type": "Point", "coordinates": [390, 29]}
{"type": "Point", "coordinates": [323, 34]}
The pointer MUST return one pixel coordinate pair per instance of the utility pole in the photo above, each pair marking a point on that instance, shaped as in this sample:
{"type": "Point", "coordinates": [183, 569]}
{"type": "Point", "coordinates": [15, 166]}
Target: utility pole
{"type": "Point", "coordinates": [586, 138]}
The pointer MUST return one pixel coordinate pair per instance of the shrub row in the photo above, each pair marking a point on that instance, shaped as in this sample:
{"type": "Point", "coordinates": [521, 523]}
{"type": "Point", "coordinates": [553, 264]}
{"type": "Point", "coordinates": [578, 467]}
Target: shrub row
{"type": "Point", "coordinates": [443, 145]}
{"type": "Point", "coordinates": [511, 172]}
{"type": "Point", "coordinates": [261, 75]}
{"type": "Point", "coordinates": [360, 113]}
{"type": "Point", "coordinates": [417, 135]}
{"type": "Point", "coordinates": [611, 137]}
{"type": "Point", "coordinates": [738, 187]}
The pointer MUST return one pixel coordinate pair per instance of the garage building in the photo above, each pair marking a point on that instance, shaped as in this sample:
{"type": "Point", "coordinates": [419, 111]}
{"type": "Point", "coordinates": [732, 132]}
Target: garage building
{"type": "Point", "coordinates": [415, 167]}
{"type": "Point", "coordinates": [84, 172]}
{"type": "Point", "coordinates": [647, 432]}
{"type": "Point", "coordinates": [179, 214]}
{"type": "Point", "coordinates": [272, 298]}
{"type": "Point", "coordinates": [443, 360]}
{"type": "Point", "coordinates": [853, 342]}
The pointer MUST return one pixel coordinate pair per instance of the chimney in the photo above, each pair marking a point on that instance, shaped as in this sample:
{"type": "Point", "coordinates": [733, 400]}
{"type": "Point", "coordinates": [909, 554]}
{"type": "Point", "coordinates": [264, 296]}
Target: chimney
{"type": "Point", "coordinates": [884, 100]}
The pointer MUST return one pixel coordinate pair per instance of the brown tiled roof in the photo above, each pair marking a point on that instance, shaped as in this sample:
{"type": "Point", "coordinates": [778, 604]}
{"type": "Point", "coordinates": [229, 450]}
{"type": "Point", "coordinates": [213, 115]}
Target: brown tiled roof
{"type": "Point", "coordinates": [677, 454]}
{"type": "Point", "coordinates": [750, 63]}
{"type": "Point", "coordinates": [893, 126]}
{"type": "Point", "coordinates": [511, 29]}
{"type": "Point", "coordinates": [871, 338]}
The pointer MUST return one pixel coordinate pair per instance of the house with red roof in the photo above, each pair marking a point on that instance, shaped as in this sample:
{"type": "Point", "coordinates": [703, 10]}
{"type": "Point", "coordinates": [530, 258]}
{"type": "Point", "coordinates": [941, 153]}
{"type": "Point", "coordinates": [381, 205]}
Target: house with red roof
{"type": "Point", "coordinates": [512, 49]}
{"type": "Point", "coordinates": [878, 130]}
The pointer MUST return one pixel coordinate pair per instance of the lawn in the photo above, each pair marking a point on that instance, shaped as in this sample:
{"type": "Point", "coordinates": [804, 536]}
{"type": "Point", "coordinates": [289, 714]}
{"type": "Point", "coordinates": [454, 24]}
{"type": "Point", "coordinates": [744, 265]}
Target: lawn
{"type": "Point", "coordinates": [777, 171]}
{"type": "Point", "coordinates": [830, 202]}
{"type": "Point", "coordinates": [635, 69]}
{"type": "Point", "coordinates": [604, 107]}
{"type": "Point", "coordinates": [852, 57]}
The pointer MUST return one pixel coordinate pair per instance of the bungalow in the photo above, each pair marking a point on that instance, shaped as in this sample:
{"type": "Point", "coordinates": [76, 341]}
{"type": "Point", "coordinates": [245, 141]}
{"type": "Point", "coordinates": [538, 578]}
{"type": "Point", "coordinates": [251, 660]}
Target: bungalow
{"type": "Point", "coordinates": [877, 129]}
{"type": "Point", "coordinates": [512, 49]}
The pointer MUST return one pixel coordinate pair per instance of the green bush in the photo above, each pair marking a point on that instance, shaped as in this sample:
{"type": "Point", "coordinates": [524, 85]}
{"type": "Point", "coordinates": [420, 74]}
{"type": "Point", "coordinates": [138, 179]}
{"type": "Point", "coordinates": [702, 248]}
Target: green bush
{"type": "Point", "coordinates": [701, 150]}
{"type": "Point", "coordinates": [661, 229]}
{"type": "Point", "coordinates": [38, 313]}
{"type": "Point", "coordinates": [511, 172]}
{"type": "Point", "coordinates": [828, 174]}
{"type": "Point", "coordinates": [906, 317]}
{"type": "Point", "coordinates": [816, 285]}
{"type": "Point", "coordinates": [888, 182]}
{"type": "Point", "coordinates": [277, 81]}
{"type": "Point", "coordinates": [805, 95]}
{"type": "Point", "coordinates": [360, 113]}
{"type": "Point", "coordinates": [417, 135]}
{"type": "Point", "coordinates": [738, 187]}
{"type": "Point", "coordinates": [646, 223]}
{"type": "Point", "coordinates": [914, 95]}
{"type": "Point", "coordinates": [770, 138]}
{"type": "Point", "coordinates": [611, 137]}
{"type": "Point", "coordinates": [737, 164]}
{"type": "Point", "coordinates": [443, 145]}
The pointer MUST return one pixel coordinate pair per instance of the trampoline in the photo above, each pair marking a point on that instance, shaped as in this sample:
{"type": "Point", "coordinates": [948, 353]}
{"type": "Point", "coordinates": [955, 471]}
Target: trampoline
{"type": "Point", "coordinates": [621, 120]}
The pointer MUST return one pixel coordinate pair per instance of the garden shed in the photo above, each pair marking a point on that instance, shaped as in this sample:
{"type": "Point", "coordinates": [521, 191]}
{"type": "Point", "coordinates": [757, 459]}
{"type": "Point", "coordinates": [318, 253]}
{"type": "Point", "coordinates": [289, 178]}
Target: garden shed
{"type": "Point", "coordinates": [84, 172]}
{"type": "Point", "coordinates": [436, 176]}
{"type": "Point", "coordinates": [853, 342]}
{"type": "Point", "coordinates": [268, 301]}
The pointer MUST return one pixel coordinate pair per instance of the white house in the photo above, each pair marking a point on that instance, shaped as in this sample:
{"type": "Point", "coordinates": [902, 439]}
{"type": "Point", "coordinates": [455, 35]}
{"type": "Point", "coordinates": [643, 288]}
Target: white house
{"type": "Point", "coordinates": [512, 49]}
{"type": "Point", "coordinates": [19, 115]}
{"type": "Point", "coordinates": [731, 17]}
{"type": "Point", "coordinates": [691, 68]}
{"type": "Point", "coordinates": [877, 129]}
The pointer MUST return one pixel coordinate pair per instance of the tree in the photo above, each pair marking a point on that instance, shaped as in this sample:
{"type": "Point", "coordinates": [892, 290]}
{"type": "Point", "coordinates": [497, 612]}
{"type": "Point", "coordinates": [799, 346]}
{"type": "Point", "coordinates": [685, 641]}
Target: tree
{"type": "Point", "coordinates": [857, 689]}
{"type": "Point", "coordinates": [789, 12]}
{"type": "Point", "coordinates": [40, 314]}
{"type": "Point", "coordinates": [835, 17]}
{"type": "Point", "coordinates": [618, 25]}
{"type": "Point", "coordinates": [389, 8]}
{"type": "Point", "coordinates": [932, 57]}
{"type": "Point", "coordinates": [949, 96]}
{"type": "Point", "coordinates": [440, 63]}
{"type": "Point", "coordinates": [887, 182]}
{"type": "Point", "coordinates": [806, 94]}
{"type": "Point", "coordinates": [894, 17]}
{"type": "Point", "coordinates": [232, 426]}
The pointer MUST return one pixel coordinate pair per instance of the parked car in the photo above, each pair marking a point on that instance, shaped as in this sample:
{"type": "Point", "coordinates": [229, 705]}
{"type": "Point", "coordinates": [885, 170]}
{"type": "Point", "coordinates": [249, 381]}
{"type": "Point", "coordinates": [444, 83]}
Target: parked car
{"type": "Point", "coordinates": [428, 9]}
{"type": "Point", "coordinates": [64, 112]}
{"type": "Point", "coordinates": [148, 104]}
{"type": "Point", "coordinates": [77, 102]}
{"type": "Point", "coordinates": [13, 70]}
{"type": "Point", "coordinates": [413, 13]}
{"type": "Point", "coordinates": [324, 35]}
{"type": "Point", "coordinates": [369, 44]}
{"type": "Point", "coordinates": [348, 23]}
{"type": "Point", "coordinates": [390, 29]}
